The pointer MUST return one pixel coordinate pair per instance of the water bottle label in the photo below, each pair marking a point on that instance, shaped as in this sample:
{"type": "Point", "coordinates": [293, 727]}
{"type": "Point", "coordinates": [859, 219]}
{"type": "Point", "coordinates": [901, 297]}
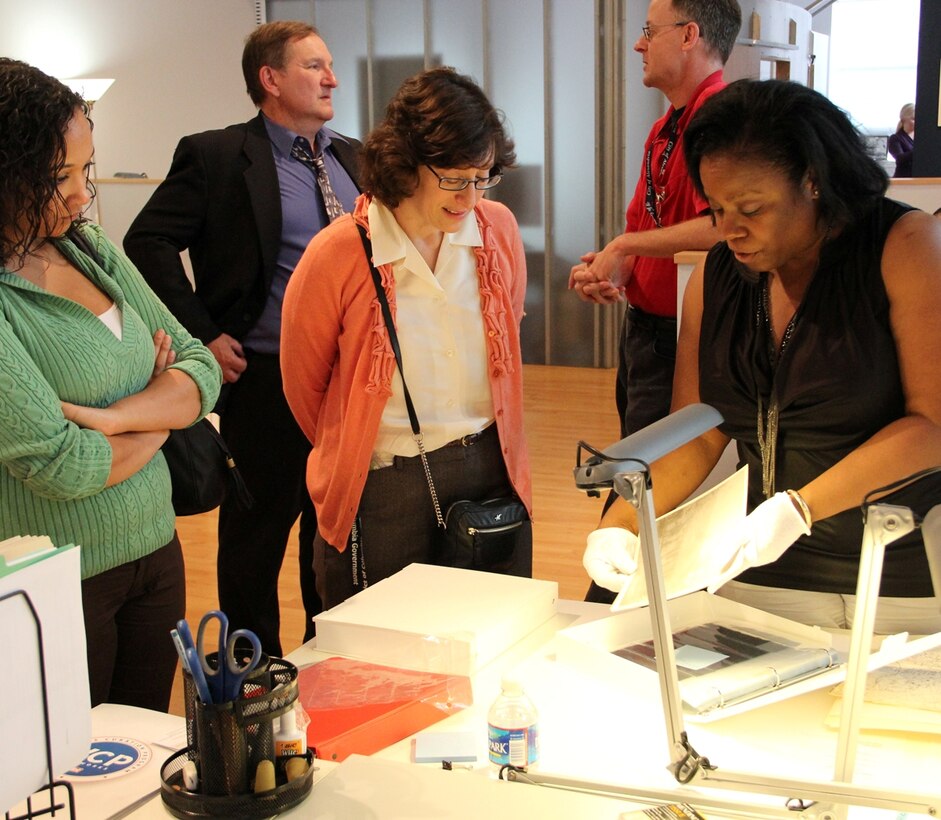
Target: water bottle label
{"type": "Point", "coordinates": [514, 747]}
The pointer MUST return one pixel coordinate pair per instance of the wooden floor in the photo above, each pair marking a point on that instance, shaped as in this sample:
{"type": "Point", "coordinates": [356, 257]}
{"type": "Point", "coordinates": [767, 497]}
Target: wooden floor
{"type": "Point", "coordinates": [562, 406]}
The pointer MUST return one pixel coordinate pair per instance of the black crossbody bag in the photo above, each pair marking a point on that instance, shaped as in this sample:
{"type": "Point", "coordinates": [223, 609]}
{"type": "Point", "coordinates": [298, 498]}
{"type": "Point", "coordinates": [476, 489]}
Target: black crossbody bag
{"type": "Point", "coordinates": [483, 535]}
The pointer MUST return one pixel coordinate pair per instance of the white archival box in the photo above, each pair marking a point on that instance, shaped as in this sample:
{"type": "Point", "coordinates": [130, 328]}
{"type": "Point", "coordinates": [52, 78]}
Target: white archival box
{"type": "Point", "coordinates": [591, 645]}
{"type": "Point", "coordinates": [437, 619]}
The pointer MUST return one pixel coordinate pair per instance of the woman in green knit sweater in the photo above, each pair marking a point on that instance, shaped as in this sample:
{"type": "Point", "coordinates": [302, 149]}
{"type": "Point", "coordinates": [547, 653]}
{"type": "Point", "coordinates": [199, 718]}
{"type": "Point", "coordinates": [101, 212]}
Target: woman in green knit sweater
{"type": "Point", "coordinates": [94, 372]}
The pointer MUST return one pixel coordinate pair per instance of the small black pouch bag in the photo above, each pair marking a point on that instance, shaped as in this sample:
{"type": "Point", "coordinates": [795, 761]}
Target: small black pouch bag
{"type": "Point", "coordinates": [485, 535]}
{"type": "Point", "coordinates": [202, 469]}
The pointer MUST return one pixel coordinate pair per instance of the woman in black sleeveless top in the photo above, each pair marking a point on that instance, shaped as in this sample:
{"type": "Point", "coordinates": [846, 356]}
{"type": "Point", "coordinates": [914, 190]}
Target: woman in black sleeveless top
{"type": "Point", "coordinates": [812, 329]}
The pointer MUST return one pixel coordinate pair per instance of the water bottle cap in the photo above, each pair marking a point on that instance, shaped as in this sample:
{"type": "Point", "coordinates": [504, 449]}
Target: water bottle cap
{"type": "Point", "coordinates": [511, 686]}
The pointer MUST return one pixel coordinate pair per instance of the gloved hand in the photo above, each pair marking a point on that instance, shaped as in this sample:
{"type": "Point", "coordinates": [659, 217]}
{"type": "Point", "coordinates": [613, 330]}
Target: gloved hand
{"type": "Point", "coordinates": [611, 557]}
{"type": "Point", "coordinates": [764, 535]}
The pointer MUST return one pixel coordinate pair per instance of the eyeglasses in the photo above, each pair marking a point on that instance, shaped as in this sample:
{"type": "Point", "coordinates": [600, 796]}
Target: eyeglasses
{"type": "Point", "coordinates": [460, 183]}
{"type": "Point", "coordinates": [650, 26]}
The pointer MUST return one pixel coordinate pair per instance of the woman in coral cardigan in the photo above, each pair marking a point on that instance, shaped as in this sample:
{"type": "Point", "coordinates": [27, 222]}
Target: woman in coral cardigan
{"type": "Point", "coordinates": [453, 271]}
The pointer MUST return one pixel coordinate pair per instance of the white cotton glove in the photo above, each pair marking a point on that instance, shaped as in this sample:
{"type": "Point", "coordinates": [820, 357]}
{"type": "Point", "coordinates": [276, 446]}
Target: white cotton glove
{"type": "Point", "coordinates": [611, 557]}
{"type": "Point", "coordinates": [763, 537]}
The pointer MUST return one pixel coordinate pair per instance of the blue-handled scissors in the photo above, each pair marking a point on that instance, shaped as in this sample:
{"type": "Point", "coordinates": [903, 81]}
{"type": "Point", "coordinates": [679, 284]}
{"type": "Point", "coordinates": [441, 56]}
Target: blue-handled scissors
{"type": "Point", "coordinates": [225, 679]}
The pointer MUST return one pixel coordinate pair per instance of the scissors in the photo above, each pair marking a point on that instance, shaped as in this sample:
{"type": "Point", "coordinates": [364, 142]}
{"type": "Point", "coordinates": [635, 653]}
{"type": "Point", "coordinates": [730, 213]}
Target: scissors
{"type": "Point", "coordinates": [225, 679]}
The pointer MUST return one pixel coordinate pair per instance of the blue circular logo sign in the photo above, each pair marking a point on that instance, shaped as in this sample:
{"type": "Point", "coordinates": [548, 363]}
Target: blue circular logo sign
{"type": "Point", "coordinates": [111, 757]}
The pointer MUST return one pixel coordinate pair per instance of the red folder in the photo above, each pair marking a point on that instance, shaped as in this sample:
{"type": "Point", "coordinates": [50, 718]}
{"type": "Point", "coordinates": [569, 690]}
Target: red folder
{"type": "Point", "coordinates": [357, 707]}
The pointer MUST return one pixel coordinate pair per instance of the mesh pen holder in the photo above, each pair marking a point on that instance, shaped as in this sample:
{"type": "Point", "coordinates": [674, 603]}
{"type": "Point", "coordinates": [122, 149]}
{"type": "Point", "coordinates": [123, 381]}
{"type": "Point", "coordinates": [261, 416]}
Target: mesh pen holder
{"type": "Point", "coordinates": [227, 741]}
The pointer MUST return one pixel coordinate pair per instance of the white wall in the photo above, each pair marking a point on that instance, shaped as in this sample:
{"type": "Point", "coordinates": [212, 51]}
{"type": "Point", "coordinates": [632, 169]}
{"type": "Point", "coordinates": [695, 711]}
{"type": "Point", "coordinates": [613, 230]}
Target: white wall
{"type": "Point", "coordinates": [921, 193]}
{"type": "Point", "coordinates": [176, 66]}
{"type": "Point", "coordinates": [873, 60]}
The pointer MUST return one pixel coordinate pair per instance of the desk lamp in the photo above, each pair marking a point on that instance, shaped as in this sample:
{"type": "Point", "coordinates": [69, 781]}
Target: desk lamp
{"type": "Point", "coordinates": [625, 466]}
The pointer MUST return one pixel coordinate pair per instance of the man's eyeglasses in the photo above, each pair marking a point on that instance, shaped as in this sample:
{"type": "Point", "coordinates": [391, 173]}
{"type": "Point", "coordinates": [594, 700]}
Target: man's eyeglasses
{"type": "Point", "coordinates": [648, 29]}
{"type": "Point", "coordinates": [460, 183]}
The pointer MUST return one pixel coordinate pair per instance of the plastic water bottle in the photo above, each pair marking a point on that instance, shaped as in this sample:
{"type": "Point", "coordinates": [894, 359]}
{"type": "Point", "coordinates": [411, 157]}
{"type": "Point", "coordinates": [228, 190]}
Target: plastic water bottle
{"type": "Point", "coordinates": [513, 728]}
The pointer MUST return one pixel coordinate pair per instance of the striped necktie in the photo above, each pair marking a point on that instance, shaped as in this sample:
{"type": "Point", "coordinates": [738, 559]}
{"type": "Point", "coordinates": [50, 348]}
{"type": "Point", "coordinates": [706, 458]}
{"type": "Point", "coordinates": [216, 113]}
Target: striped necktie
{"type": "Point", "coordinates": [301, 151]}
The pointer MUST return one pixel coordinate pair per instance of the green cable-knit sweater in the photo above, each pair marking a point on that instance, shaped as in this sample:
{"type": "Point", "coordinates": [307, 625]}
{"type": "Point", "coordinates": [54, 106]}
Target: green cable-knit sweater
{"type": "Point", "coordinates": [52, 472]}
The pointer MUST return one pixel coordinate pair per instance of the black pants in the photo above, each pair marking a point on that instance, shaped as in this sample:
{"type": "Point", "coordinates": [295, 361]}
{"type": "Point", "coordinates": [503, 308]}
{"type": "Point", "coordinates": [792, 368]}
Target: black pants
{"type": "Point", "coordinates": [129, 612]}
{"type": "Point", "coordinates": [644, 389]}
{"type": "Point", "coordinates": [271, 453]}
{"type": "Point", "coordinates": [646, 361]}
{"type": "Point", "coordinates": [396, 524]}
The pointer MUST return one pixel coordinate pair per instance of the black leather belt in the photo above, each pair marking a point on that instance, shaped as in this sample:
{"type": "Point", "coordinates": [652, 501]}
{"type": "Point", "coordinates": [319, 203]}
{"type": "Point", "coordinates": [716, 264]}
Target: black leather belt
{"type": "Point", "coordinates": [660, 324]}
{"type": "Point", "coordinates": [471, 439]}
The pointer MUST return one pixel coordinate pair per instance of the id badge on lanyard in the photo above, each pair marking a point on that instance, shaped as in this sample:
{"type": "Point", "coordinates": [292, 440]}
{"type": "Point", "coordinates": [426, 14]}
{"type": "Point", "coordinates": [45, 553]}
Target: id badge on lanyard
{"type": "Point", "coordinates": [654, 196]}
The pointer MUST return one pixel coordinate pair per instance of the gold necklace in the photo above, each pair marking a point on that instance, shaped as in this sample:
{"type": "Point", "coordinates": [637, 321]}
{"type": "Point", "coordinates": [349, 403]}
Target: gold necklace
{"type": "Point", "coordinates": [768, 421]}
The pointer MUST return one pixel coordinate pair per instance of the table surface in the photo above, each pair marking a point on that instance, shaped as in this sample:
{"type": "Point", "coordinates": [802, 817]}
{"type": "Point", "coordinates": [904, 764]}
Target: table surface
{"type": "Point", "coordinates": [591, 729]}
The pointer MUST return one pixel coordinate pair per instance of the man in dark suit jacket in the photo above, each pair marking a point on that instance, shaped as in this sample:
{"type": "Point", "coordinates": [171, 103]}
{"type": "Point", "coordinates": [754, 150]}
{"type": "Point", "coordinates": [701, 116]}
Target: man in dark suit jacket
{"type": "Point", "coordinates": [245, 205]}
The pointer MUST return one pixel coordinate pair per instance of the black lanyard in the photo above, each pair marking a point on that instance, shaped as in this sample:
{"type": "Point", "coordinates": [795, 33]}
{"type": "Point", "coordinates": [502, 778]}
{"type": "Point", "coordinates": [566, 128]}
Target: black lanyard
{"type": "Point", "coordinates": [654, 199]}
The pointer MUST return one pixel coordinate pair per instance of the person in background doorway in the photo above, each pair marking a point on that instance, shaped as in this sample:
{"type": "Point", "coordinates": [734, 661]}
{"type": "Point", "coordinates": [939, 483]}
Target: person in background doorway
{"type": "Point", "coordinates": [245, 201]}
{"type": "Point", "coordinates": [812, 329]}
{"type": "Point", "coordinates": [94, 372]}
{"type": "Point", "coordinates": [453, 270]}
{"type": "Point", "coordinates": [684, 46]}
{"type": "Point", "coordinates": [901, 144]}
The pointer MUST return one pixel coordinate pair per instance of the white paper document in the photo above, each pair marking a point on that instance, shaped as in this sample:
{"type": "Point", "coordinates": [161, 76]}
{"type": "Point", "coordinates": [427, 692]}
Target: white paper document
{"type": "Point", "coordinates": [694, 542]}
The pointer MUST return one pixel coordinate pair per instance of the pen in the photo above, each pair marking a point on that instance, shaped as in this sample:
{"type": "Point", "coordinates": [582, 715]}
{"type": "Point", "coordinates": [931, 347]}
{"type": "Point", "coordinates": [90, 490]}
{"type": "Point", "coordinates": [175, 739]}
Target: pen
{"type": "Point", "coordinates": [180, 650]}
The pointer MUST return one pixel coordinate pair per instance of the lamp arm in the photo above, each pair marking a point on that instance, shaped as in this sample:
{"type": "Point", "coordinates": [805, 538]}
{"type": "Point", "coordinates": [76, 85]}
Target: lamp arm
{"type": "Point", "coordinates": [635, 487]}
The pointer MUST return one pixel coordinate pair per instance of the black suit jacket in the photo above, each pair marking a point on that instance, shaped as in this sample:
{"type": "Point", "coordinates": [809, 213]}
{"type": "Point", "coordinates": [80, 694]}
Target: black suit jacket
{"type": "Point", "coordinates": [220, 201]}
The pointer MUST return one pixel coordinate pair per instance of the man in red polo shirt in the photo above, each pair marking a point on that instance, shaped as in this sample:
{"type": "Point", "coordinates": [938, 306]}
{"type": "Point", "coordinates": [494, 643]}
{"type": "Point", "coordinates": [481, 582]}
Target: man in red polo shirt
{"type": "Point", "coordinates": [685, 45]}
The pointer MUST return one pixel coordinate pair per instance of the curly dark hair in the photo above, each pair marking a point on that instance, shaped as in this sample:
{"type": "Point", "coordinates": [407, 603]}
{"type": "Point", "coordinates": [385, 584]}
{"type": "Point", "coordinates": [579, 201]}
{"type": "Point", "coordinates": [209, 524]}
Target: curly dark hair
{"type": "Point", "coordinates": [437, 117]}
{"type": "Point", "coordinates": [796, 130]}
{"type": "Point", "coordinates": [35, 110]}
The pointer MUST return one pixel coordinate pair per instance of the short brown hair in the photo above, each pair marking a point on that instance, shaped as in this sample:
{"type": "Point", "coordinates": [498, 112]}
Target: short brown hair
{"type": "Point", "coordinates": [438, 117]}
{"type": "Point", "coordinates": [267, 45]}
{"type": "Point", "coordinates": [719, 22]}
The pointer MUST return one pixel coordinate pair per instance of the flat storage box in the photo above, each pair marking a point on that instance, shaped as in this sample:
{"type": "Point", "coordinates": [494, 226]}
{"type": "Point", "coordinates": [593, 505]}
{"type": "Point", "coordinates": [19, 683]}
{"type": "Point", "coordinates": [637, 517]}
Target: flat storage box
{"type": "Point", "coordinates": [437, 619]}
{"type": "Point", "coordinates": [593, 646]}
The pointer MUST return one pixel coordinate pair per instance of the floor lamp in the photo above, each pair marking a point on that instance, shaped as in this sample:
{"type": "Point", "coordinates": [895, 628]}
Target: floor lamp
{"type": "Point", "coordinates": [625, 466]}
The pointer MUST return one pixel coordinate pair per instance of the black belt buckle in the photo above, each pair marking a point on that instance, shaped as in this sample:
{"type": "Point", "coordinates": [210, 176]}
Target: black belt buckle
{"type": "Point", "coordinates": [473, 438]}
{"type": "Point", "coordinates": [470, 439]}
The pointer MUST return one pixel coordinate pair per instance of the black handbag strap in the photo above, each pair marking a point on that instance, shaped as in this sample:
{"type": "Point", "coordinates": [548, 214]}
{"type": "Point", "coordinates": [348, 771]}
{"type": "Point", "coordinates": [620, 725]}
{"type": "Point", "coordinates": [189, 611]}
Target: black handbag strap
{"type": "Point", "coordinates": [390, 327]}
{"type": "Point", "coordinates": [396, 350]}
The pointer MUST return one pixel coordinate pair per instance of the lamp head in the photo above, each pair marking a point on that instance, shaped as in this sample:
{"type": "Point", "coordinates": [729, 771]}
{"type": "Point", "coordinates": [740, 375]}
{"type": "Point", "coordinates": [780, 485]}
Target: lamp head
{"type": "Point", "coordinates": [635, 452]}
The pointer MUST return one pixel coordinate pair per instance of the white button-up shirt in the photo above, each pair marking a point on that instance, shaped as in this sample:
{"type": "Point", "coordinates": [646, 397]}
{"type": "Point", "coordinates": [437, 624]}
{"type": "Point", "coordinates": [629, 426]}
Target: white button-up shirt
{"type": "Point", "coordinates": [441, 336]}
